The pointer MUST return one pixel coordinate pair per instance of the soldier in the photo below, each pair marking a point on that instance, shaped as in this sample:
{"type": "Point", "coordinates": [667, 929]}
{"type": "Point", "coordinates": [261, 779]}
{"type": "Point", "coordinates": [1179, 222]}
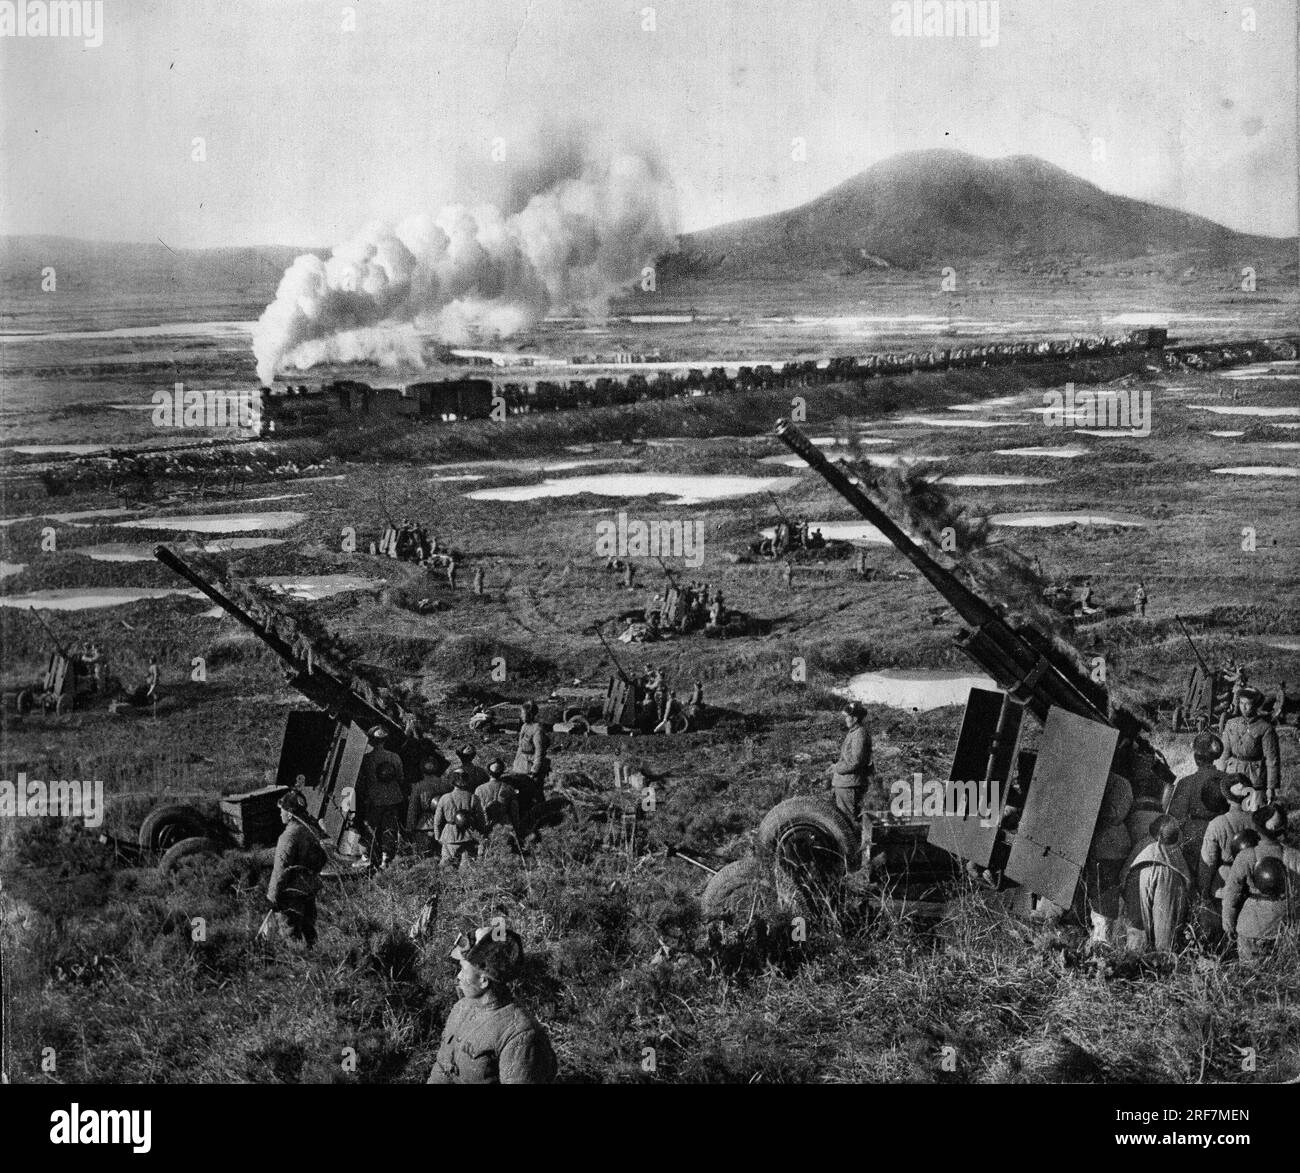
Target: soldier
{"type": "Point", "coordinates": [295, 875]}
{"type": "Point", "coordinates": [1251, 744]}
{"type": "Point", "coordinates": [380, 802]}
{"type": "Point", "coordinates": [458, 820]}
{"type": "Point", "coordinates": [489, 1038]}
{"type": "Point", "coordinates": [1140, 600]}
{"type": "Point", "coordinates": [1216, 849]}
{"type": "Point", "coordinates": [787, 573]}
{"type": "Point", "coordinates": [498, 799]}
{"type": "Point", "coordinates": [1261, 895]}
{"type": "Point", "coordinates": [478, 580]}
{"type": "Point", "coordinates": [1195, 798]}
{"type": "Point", "coordinates": [629, 576]}
{"type": "Point", "coordinates": [530, 752]}
{"type": "Point", "coordinates": [854, 771]}
{"type": "Point", "coordinates": [671, 708]}
{"type": "Point", "coordinates": [423, 805]}
{"type": "Point", "coordinates": [1157, 889]}
{"type": "Point", "coordinates": [451, 573]}
{"type": "Point", "coordinates": [1106, 855]}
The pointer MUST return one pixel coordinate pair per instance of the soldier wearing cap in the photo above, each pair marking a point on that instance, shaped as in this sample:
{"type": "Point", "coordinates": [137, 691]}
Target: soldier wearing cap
{"type": "Point", "coordinates": [1195, 798]}
{"type": "Point", "coordinates": [853, 771]}
{"type": "Point", "coordinates": [1261, 894]}
{"type": "Point", "coordinates": [489, 1037]}
{"type": "Point", "coordinates": [458, 820]}
{"type": "Point", "coordinates": [1216, 849]}
{"type": "Point", "coordinates": [1251, 744]}
{"type": "Point", "coordinates": [295, 875]}
{"type": "Point", "coordinates": [530, 755]}
{"type": "Point", "coordinates": [380, 801]}
{"type": "Point", "coordinates": [498, 799]}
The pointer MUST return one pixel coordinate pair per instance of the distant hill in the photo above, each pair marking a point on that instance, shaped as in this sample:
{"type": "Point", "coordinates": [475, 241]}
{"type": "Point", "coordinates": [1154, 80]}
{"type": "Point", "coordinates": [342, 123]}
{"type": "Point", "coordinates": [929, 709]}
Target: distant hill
{"type": "Point", "coordinates": [943, 207]}
{"type": "Point", "coordinates": [98, 268]}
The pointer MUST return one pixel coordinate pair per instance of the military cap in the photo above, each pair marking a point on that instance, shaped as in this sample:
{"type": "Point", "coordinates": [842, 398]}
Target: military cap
{"type": "Point", "coordinates": [293, 801]}
{"type": "Point", "coordinates": [466, 752]}
{"type": "Point", "coordinates": [498, 953]}
{"type": "Point", "coordinates": [1251, 694]}
{"type": "Point", "coordinates": [854, 709]}
{"type": "Point", "coordinates": [377, 733]}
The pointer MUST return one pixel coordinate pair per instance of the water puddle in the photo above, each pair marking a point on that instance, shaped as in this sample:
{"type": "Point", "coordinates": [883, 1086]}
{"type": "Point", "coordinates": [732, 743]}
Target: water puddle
{"type": "Point", "coordinates": [918, 690]}
{"type": "Point", "coordinates": [992, 480]}
{"type": "Point", "coordinates": [1287, 446]}
{"type": "Point", "coordinates": [686, 490]}
{"type": "Point", "coordinates": [1260, 470]}
{"type": "Point", "coordinates": [1227, 435]}
{"type": "Point", "coordinates": [1112, 433]}
{"type": "Point", "coordinates": [59, 449]}
{"type": "Point", "coordinates": [1059, 453]}
{"type": "Point", "coordinates": [71, 518]}
{"type": "Point", "coordinates": [143, 551]}
{"type": "Point", "coordinates": [1281, 369]}
{"type": "Point", "coordinates": [1227, 409]}
{"type": "Point", "coordinates": [1054, 519]}
{"type": "Point", "coordinates": [859, 533]}
{"type": "Point", "coordinates": [934, 422]}
{"type": "Point", "coordinates": [1290, 644]}
{"type": "Point", "coordinates": [219, 523]}
{"type": "Point", "coordinates": [317, 586]}
{"type": "Point", "coordinates": [9, 569]}
{"type": "Point", "coordinates": [88, 598]}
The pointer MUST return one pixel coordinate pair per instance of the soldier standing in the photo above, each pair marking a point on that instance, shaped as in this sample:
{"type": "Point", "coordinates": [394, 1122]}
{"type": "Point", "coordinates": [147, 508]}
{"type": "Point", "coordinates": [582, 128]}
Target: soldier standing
{"type": "Point", "coordinates": [457, 817]}
{"type": "Point", "coordinates": [1251, 744]}
{"type": "Point", "coordinates": [380, 802]}
{"type": "Point", "coordinates": [1106, 855]}
{"type": "Point", "coordinates": [1195, 799]}
{"type": "Point", "coordinates": [629, 576]}
{"type": "Point", "coordinates": [1216, 848]}
{"type": "Point", "coordinates": [1261, 894]}
{"type": "Point", "coordinates": [1140, 600]}
{"type": "Point", "coordinates": [1157, 889]}
{"type": "Point", "coordinates": [489, 1038]}
{"type": "Point", "coordinates": [478, 580]}
{"type": "Point", "coordinates": [423, 806]}
{"type": "Point", "coordinates": [853, 771]}
{"type": "Point", "coordinates": [530, 754]}
{"type": "Point", "coordinates": [451, 573]}
{"type": "Point", "coordinates": [498, 799]}
{"type": "Point", "coordinates": [295, 875]}
{"type": "Point", "coordinates": [787, 572]}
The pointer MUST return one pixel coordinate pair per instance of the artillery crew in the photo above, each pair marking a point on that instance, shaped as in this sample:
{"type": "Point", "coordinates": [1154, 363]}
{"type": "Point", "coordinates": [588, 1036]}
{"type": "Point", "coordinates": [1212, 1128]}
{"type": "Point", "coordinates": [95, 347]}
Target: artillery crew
{"type": "Point", "coordinates": [1251, 744]}
{"type": "Point", "coordinates": [1195, 799]}
{"type": "Point", "coordinates": [295, 875]}
{"type": "Point", "coordinates": [458, 820]}
{"type": "Point", "coordinates": [380, 801]}
{"type": "Point", "coordinates": [1261, 895]}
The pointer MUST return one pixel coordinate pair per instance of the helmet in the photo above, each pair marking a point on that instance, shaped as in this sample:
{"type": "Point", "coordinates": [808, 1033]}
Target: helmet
{"type": "Point", "coordinates": [1269, 876]}
{"type": "Point", "coordinates": [1208, 745]}
{"type": "Point", "coordinates": [496, 767]}
{"type": "Point", "coordinates": [855, 709]}
{"type": "Point", "coordinates": [1270, 820]}
{"type": "Point", "coordinates": [1248, 837]}
{"type": "Point", "coordinates": [1165, 829]}
{"type": "Point", "coordinates": [462, 820]}
{"type": "Point", "coordinates": [466, 753]}
{"type": "Point", "coordinates": [377, 733]}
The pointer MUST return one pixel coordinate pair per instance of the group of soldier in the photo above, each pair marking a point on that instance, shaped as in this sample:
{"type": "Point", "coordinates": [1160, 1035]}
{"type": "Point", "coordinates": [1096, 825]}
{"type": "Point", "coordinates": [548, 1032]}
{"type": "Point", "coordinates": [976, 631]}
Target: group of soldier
{"type": "Point", "coordinates": [686, 607]}
{"type": "Point", "coordinates": [1204, 849]}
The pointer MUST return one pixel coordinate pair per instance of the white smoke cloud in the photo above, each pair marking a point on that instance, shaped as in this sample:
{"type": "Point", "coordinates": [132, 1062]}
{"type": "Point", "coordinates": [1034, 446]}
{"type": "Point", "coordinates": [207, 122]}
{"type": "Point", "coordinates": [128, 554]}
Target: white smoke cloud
{"type": "Point", "coordinates": [472, 272]}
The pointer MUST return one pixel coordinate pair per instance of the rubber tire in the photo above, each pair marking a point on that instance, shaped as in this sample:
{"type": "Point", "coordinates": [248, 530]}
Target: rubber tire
{"type": "Point", "coordinates": [63, 705]}
{"type": "Point", "coordinates": [183, 822]}
{"type": "Point", "coordinates": [198, 845]}
{"type": "Point", "coordinates": [24, 702]}
{"type": "Point", "coordinates": [832, 842]}
{"type": "Point", "coordinates": [578, 725]}
{"type": "Point", "coordinates": [739, 888]}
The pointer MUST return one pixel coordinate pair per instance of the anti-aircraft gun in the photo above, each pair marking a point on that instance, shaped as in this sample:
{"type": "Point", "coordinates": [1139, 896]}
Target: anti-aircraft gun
{"type": "Point", "coordinates": [320, 754]}
{"type": "Point", "coordinates": [1040, 840]}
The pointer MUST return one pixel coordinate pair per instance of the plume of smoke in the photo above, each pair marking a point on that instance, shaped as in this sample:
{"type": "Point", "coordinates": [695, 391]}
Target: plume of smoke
{"type": "Point", "coordinates": [474, 271]}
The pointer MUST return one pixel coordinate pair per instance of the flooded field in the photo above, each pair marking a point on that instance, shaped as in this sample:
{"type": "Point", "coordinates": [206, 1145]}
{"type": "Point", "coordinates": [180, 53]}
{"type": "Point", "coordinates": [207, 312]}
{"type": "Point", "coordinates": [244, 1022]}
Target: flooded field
{"type": "Point", "coordinates": [915, 690]}
{"type": "Point", "coordinates": [684, 490]}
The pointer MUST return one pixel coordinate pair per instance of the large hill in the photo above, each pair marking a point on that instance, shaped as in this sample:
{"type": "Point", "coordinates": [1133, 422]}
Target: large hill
{"type": "Point", "coordinates": [946, 207]}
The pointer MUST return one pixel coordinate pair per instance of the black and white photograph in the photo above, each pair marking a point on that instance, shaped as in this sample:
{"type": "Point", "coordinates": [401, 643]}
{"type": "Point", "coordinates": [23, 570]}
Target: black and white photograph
{"type": "Point", "coordinates": [680, 542]}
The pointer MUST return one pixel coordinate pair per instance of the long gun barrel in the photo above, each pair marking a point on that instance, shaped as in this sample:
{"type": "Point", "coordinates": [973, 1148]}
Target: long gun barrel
{"type": "Point", "coordinates": [316, 682]}
{"type": "Point", "coordinates": [54, 635]}
{"type": "Point", "coordinates": [1021, 661]}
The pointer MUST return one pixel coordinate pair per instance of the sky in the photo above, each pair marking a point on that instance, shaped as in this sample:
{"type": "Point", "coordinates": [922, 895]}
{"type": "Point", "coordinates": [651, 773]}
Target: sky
{"type": "Point", "coordinates": [312, 128]}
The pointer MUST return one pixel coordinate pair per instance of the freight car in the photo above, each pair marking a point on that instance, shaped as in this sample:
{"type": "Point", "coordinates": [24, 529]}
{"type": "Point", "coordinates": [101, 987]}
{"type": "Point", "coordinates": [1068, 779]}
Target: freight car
{"type": "Point", "coordinates": [453, 399]}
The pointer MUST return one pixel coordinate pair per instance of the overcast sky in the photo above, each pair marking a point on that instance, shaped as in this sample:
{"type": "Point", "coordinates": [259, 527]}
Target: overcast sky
{"type": "Point", "coordinates": [312, 130]}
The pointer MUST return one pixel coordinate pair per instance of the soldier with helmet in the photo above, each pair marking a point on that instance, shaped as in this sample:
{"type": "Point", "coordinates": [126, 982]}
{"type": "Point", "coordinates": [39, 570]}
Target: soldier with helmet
{"type": "Point", "coordinates": [853, 772]}
{"type": "Point", "coordinates": [1251, 744]}
{"type": "Point", "coordinates": [530, 755]}
{"type": "Point", "coordinates": [1261, 895]}
{"type": "Point", "coordinates": [1195, 798]}
{"type": "Point", "coordinates": [489, 1037]}
{"type": "Point", "coordinates": [295, 875]}
{"type": "Point", "coordinates": [498, 799]}
{"type": "Point", "coordinates": [458, 820]}
{"type": "Point", "coordinates": [380, 800]}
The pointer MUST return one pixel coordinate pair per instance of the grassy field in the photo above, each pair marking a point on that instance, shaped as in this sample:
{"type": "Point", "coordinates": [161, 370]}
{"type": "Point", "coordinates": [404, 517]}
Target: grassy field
{"type": "Point", "coordinates": [102, 964]}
